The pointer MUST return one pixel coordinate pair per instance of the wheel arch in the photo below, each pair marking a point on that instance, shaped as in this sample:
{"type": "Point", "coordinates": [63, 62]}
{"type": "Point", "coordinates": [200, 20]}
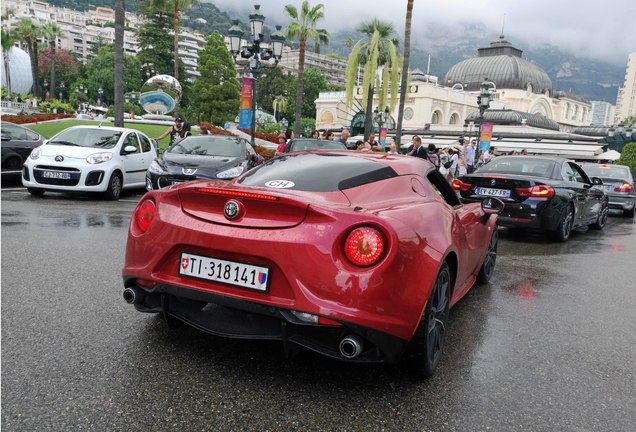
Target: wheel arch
{"type": "Point", "coordinates": [451, 260]}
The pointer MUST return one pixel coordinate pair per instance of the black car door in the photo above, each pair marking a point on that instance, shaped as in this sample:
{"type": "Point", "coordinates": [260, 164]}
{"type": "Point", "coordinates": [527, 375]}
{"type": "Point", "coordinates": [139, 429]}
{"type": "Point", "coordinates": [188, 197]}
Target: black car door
{"type": "Point", "coordinates": [574, 183]}
{"type": "Point", "coordinates": [595, 197]}
{"type": "Point", "coordinates": [17, 144]}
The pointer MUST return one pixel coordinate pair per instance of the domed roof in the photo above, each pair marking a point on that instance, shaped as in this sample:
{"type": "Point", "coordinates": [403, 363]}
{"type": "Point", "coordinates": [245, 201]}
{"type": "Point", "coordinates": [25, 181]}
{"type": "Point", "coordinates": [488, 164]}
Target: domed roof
{"type": "Point", "coordinates": [502, 64]}
{"type": "Point", "coordinates": [19, 71]}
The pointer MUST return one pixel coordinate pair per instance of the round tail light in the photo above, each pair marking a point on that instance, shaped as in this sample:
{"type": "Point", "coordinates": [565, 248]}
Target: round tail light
{"type": "Point", "coordinates": [364, 246]}
{"type": "Point", "coordinates": [145, 215]}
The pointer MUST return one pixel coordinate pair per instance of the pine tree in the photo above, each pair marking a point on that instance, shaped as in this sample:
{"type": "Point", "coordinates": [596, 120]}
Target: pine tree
{"type": "Point", "coordinates": [217, 90]}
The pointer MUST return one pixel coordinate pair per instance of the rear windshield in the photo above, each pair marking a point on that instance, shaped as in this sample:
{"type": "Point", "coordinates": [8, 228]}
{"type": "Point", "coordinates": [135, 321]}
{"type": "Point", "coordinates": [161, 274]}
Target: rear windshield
{"type": "Point", "coordinates": [208, 146]}
{"type": "Point", "coordinates": [316, 144]}
{"type": "Point", "coordinates": [607, 171]}
{"type": "Point", "coordinates": [86, 137]}
{"type": "Point", "coordinates": [317, 172]}
{"type": "Point", "coordinates": [520, 165]}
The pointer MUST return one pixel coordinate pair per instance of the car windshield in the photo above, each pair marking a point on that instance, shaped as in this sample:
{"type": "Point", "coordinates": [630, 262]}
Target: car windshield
{"type": "Point", "coordinates": [306, 172]}
{"type": "Point", "coordinates": [208, 146]}
{"type": "Point", "coordinates": [520, 165]}
{"type": "Point", "coordinates": [316, 144]}
{"type": "Point", "coordinates": [85, 137]}
{"type": "Point", "coordinates": [607, 171]}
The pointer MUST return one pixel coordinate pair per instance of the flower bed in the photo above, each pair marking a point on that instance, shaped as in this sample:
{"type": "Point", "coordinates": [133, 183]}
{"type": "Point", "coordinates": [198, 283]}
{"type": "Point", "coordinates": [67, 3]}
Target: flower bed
{"type": "Point", "coordinates": [23, 119]}
{"type": "Point", "coordinates": [214, 130]}
{"type": "Point", "coordinates": [271, 137]}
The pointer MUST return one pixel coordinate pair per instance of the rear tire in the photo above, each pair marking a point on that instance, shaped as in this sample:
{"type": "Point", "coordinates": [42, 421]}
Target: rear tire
{"type": "Point", "coordinates": [601, 220]}
{"type": "Point", "coordinates": [630, 213]}
{"type": "Point", "coordinates": [563, 231]}
{"type": "Point", "coordinates": [35, 192]}
{"type": "Point", "coordinates": [488, 267]}
{"type": "Point", "coordinates": [428, 343]}
{"type": "Point", "coordinates": [113, 192]}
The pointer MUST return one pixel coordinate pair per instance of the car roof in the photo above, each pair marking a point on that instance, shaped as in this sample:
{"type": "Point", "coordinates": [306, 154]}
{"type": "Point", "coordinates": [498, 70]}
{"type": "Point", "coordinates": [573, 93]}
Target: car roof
{"type": "Point", "coordinates": [401, 164]}
{"type": "Point", "coordinates": [549, 158]}
{"type": "Point", "coordinates": [113, 128]}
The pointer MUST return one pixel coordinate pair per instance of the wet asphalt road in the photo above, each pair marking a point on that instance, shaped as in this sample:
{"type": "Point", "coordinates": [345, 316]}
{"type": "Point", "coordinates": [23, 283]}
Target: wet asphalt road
{"type": "Point", "coordinates": [549, 345]}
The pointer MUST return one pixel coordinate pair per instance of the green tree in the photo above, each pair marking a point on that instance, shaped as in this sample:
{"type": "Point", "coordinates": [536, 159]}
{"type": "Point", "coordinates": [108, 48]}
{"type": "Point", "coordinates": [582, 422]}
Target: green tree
{"type": "Point", "coordinates": [405, 67]}
{"type": "Point", "coordinates": [52, 31]}
{"type": "Point", "coordinates": [630, 121]}
{"type": "Point", "coordinates": [217, 90]}
{"type": "Point", "coordinates": [66, 67]}
{"type": "Point", "coordinates": [303, 27]}
{"type": "Point", "coordinates": [271, 82]}
{"type": "Point", "coordinates": [154, 47]}
{"type": "Point", "coordinates": [628, 157]}
{"type": "Point", "coordinates": [8, 40]}
{"type": "Point", "coordinates": [315, 82]}
{"type": "Point", "coordinates": [99, 72]}
{"type": "Point", "coordinates": [28, 32]}
{"type": "Point", "coordinates": [377, 50]}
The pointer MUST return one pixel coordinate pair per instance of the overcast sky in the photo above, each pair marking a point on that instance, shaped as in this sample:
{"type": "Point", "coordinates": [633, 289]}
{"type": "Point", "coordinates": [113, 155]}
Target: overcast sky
{"type": "Point", "coordinates": [603, 30]}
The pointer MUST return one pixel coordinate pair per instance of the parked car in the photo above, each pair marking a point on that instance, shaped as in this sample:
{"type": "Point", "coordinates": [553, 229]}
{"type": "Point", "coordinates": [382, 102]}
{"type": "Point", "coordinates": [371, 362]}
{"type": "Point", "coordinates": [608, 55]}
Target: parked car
{"type": "Point", "coordinates": [618, 183]}
{"type": "Point", "coordinates": [540, 192]}
{"type": "Point", "coordinates": [361, 264]}
{"type": "Point", "coordinates": [302, 144]}
{"type": "Point", "coordinates": [90, 159]}
{"type": "Point", "coordinates": [202, 157]}
{"type": "Point", "coordinates": [17, 144]}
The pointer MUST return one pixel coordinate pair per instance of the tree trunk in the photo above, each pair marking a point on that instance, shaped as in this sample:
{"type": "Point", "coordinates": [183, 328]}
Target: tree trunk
{"type": "Point", "coordinates": [176, 40]}
{"type": "Point", "coordinates": [300, 86]}
{"type": "Point", "coordinates": [368, 117]}
{"type": "Point", "coordinates": [120, 19]}
{"type": "Point", "coordinates": [53, 47]}
{"type": "Point", "coordinates": [34, 68]}
{"type": "Point", "coordinates": [405, 72]}
{"type": "Point", "coordinates": [7, 73]}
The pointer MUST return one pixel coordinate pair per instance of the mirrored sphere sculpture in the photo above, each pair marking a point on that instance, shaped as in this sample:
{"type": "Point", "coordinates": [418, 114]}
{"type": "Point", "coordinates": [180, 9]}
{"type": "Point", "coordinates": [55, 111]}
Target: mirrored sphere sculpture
{"type": "Point", "coordinates": [160, 94]}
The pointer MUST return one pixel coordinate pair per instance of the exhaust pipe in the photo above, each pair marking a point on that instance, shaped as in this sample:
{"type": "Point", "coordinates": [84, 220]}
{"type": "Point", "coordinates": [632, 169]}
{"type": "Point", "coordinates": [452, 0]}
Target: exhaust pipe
{"type": "Point", "coordinates": [133, 295]}
{"type": "Point", "coordinates": [351, 346]}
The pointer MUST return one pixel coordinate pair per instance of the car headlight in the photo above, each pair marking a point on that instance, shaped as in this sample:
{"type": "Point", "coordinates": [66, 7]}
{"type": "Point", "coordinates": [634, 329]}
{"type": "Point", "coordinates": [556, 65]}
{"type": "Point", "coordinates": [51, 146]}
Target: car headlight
{"type": "Point", "coordinates": [35, 153]}
{"type": "Point", "coordinates": [231, 173]}
{"type": "Point", "coordinates": [97, 158]}
{"type": "Point", "coordinates": [155, 168]}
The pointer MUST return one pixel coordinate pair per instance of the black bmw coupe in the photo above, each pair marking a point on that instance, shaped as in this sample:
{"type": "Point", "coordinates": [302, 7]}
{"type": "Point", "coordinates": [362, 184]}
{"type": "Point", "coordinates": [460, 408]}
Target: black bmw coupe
{"type": "Point", "coordinates": [543, 193]}
{"type": "Point", "coordinates": [201, 157]}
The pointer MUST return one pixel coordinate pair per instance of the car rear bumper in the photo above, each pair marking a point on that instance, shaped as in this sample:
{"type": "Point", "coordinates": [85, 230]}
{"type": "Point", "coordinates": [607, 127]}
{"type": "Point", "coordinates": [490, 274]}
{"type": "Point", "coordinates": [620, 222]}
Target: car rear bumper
{"type": "Point", "coordinates": [619, 202]}
{"type": "Point", "coordinates": [241, 319]}
{"type": "Point", "coordinates": [533, 213]}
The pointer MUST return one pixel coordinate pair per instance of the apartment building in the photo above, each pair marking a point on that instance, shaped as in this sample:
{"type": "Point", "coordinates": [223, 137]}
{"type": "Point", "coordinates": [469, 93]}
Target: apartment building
{"type": "Point", "coordinates": [333, 68]}
{"type": "Point", "coordinates": [602, 113]}
{"type": "Point", "coordinates": [626, 100]}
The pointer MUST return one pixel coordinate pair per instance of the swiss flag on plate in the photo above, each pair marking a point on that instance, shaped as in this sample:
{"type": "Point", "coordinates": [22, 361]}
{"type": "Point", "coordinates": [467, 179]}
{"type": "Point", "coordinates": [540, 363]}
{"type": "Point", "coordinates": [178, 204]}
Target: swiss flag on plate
{"type": "Point", "coordinates": [185, 262]}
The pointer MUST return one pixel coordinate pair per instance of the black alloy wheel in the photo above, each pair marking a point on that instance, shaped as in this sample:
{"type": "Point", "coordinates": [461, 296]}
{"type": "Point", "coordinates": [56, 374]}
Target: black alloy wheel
{"type": "Point", "coordinates": [488, 267]}
{"type": "Point", "coordinates": [601, 220]}
{"type": "Point", "coordinates": [428, 342]}
{"type": "Point", "coordinates": [114, 187]}
{"type": "Point", "coordinates": [563, 231]}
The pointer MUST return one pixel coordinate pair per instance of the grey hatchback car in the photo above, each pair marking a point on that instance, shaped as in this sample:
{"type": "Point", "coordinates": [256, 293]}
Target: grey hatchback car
{"type": "Point", "coordinates": [618, 183]}
{"type": "Point", "coordinates": [17, 144]}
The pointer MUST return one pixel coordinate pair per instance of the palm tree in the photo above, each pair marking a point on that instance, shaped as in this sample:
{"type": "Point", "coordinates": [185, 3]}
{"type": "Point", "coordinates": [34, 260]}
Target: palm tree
{"type": "Point", "coordinates": [304, 28]}
{"type": "Point", "coordinates": [8, 40]}
{"type": "Point", "coordinates": [51, 31]}
{"type": "Point", "coordinates": [28, 32]}
{"type": "Point", "coordinates": [279, 104]}
{"type": "Point", "coordinates": [120, 19]}
{"type": "Point", "coordinates": [405, 68]}
{"type": "Point", "coordinates": [376, 51]}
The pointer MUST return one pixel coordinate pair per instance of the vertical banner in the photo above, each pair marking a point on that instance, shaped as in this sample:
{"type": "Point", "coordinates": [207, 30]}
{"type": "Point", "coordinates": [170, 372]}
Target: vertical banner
{"type": "Point", "coordinates": [245, 111]}
{"type": "Point", "coordinates": [486, 136]}
{"type": "Point", "coordinates": [383, 137]}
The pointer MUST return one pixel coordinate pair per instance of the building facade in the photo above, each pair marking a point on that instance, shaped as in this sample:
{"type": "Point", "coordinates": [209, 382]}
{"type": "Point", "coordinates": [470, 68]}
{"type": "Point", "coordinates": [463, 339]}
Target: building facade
{"type": "Point", "coordinates": [332, 67]}
{"type": "Point", "coordinates": [626, 100]}
{"type": "Point", "coordinates": [603, 113]}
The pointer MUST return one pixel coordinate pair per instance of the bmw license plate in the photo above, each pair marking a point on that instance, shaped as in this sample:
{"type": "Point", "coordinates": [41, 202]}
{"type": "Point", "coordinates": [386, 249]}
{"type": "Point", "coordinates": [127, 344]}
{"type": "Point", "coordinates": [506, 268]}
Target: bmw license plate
{"type": "Point", "coordinates": [503, 193]}
{"type": "Point", "coordinates": [56, 175]}
{"type": "Point", "coordinates": [224, 271]}
{"type": "Point", "coordinates": [608, 187]}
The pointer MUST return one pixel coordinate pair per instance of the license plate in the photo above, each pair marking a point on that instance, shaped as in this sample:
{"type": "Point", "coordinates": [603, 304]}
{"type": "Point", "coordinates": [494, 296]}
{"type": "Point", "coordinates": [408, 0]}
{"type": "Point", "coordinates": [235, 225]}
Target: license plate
{"type": "Point", "coordinates": [493, 192]}
{"type": "Point", "coordinates": [224, 271]}
{"type": "Point", "coordinates": [56, 175]}
{"type": "Point", "coordinates": [608, 188]}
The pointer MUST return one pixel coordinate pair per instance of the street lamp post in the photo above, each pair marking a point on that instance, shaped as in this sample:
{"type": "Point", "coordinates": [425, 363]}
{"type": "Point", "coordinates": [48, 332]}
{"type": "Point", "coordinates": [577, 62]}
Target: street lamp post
{"type": "Point", "coordinates": [62, 87]}
{"type": "Point", "coordinates": [283, 124]}
{"type": "Point", "coordinates": [483, 102]}
{"type": "Point", "coordinates": [100, 91]}
{"type": "Point", "coordinates": [46, 87]}
{"type": "Point", "coordinates": [253, 53]}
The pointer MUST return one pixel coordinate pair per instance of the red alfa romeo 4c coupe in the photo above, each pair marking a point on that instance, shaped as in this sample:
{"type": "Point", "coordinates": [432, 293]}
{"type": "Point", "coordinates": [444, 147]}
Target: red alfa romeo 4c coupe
{"type": "Point", "coordinates": [355, 256]}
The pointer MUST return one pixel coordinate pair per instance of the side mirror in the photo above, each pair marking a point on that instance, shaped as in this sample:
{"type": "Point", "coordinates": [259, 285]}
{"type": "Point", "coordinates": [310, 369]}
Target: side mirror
{"type": "Point", "coordinates": [596, 181]}
{"type": "Point", "coordinates": [130, 149]}
{"type": "Point", "coordinates": [492, 206]}
{"type": "Point", "coordinates": [6, 137]}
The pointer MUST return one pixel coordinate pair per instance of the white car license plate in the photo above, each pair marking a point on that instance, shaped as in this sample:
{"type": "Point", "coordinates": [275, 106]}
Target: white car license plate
{"type": "Point", "coordinates": [56, 175]}
{"type": "Point", "coordinates": [228, 272]}
{"type": "Point", "coordinates": [492, 192]}
{"type": "Point", "coordinates": [608, 188]}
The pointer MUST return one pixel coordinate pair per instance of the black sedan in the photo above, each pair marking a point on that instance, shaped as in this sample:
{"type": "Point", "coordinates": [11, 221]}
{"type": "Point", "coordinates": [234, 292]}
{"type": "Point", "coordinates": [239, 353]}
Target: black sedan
{"type": "Point", "coordinates": [17, 144]}
{"type": "Point", "coordinates": [619, 185]}
{"type": "Point", "coordinates": [302, 144]}
{"type": "Point", "coordinates": [543, 193]}
{"type": "Point", "coordinates": [201, 157]}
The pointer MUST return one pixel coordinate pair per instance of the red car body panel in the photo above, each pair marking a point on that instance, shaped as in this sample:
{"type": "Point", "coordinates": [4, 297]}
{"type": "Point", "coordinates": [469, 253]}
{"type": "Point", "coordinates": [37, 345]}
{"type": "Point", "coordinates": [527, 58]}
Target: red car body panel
{"type": "Point", "coordinates": [300, 237]}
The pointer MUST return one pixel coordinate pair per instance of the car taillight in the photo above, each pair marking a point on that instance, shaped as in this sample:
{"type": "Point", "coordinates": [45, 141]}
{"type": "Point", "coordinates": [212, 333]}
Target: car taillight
{"type": "Point", "coordinates": [238, 194]}
{"type": "Point", "coordinates": [460, 185]}
{"type": "Point", "coordinates": [145, 215]}
{"type": "Point", "coordinates": [364, 246]}
{"type": "Point", "coordinates": [539, 191]}
{"type": "Point", "coordinates": [625, 187]}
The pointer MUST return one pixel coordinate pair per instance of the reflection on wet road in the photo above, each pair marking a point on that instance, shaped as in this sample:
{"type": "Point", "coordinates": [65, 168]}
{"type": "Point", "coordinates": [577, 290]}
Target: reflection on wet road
{"type": "Point", "coordinates": [548, 345]}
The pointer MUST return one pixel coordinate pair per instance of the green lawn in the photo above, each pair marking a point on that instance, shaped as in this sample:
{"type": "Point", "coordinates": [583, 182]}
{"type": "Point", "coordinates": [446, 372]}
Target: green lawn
{"type": "Point", "coordinates": [153, 131]}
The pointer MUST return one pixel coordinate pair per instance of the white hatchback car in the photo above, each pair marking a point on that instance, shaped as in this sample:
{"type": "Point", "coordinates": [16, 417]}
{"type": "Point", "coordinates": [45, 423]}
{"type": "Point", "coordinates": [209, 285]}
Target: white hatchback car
{"type": "Point", "coordinates": [90, 159]}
